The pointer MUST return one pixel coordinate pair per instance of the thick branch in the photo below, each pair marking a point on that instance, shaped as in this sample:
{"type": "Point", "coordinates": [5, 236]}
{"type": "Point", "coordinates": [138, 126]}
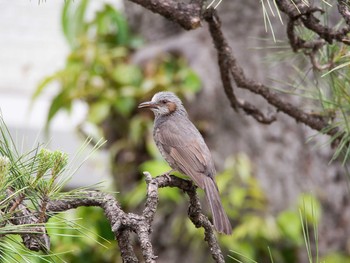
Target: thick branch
{"type": "Point", "coordinates": [126, 250]}
{"type": "Point", "coordinates": [186, 15]}
{"type": "Point", "coordinates": [225, 65]}
{"type": "Point", "coordinates": [194, 211]}
{"type": "Point", "coordinates": [122, 223]}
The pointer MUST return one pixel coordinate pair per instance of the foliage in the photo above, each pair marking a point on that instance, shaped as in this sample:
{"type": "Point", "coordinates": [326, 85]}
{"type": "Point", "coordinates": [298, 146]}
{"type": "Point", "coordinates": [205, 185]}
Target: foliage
{"type": "Point", "coordinates": [259, 235]}
{"type": "Point", "coordinates": [86, 237]}
{"type": "Point", "coordinates": [30, 179]}
{"type": "Point", "coordinates": [320, 76]}
{"type": "Point", "coordinates": [100, 73]}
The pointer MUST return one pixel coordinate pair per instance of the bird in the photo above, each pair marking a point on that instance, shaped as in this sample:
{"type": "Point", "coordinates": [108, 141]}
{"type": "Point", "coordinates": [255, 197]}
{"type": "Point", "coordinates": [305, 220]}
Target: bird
{"type": "Point", "coordinates": [183, 147]}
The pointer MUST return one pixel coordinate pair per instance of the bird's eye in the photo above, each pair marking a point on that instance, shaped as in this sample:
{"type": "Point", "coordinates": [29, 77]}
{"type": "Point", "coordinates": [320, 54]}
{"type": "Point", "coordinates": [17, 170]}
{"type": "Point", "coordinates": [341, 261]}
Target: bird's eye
{"type": "Point", "coordinates": [163, 101]}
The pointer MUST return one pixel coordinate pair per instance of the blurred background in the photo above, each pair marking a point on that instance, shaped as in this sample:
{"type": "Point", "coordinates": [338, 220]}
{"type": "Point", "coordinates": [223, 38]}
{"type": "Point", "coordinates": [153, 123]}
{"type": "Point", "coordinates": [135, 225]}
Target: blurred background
{"type": "Point", "coordinates": [77, 69]}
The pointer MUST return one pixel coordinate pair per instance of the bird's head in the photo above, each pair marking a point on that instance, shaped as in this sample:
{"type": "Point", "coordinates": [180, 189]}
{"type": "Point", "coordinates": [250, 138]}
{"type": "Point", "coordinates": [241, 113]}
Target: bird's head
{"type": "Point", "coordinates": [164, 103]}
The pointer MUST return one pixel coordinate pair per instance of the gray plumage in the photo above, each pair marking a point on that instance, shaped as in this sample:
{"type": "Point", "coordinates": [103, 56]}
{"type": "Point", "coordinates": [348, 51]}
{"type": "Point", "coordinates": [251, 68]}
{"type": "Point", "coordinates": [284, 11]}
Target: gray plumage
{"type": "Point", "coordinates": [183, 147]}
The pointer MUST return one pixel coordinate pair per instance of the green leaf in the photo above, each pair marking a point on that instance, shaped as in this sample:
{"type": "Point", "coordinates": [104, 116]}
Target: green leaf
{"type": "Point", "coordinates": [72, 20]}
{"type": "Point", "coordinates": [244, 167]}
{"type": "Point", "coordinates": [65, 21]}
{"type": "Point", "coordinates": [290, 225]}
{"type": "Point", "coordinates": [192, 81]}
{"type": "Point", "coordinates": [155, 167]}
{"type": "Point", "coordinates": [124, 105]}
{"type": "Point", "coordinates": [61, 101]}
{"type": "Point", "coordinates": [43, 84]}
{"type": "Point", "coordinates": [249, 227]}
{"type": "Point", "coordinates": [172, 194]}
{"type": "Point", "coordinates": [336, 257]}
{"type": "Point", "coordinates": [137, 195]}
{"type": "Point", "coordinates": [137, 129]}
{"type": "Point", "coordinates": [126, 74]}
{"type": "Point", "coordinates": [99, 111]}
{"type": "Point", "coordinates": [310, 208]}
{"type": "Point", "coordinates": [337, 68]}
{"type": "Point", "coordinates": [237, 197]}
{"type": "Point", "coordinates": [122, 26]}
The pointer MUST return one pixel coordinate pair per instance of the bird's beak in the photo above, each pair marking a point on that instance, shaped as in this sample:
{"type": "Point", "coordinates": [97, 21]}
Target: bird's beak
{"type": "Point", "coordinates": [148, 105]}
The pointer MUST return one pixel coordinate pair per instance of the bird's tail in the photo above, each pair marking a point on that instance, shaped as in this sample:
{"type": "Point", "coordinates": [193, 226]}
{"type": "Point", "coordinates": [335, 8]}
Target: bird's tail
{"type": "Point", "coordinates": [220, 219]}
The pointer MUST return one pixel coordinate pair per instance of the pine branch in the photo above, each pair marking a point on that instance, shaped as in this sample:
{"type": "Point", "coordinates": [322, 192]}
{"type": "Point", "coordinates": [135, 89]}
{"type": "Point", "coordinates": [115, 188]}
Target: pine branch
{"type": "Point", "coordinates": [33, 233]}
{"type": "Point", "coordinates": [237, 73]}
{"type": "Point", "coordinates": [122, 224]}
{"type": "Point", "coordinates": [186, 15]}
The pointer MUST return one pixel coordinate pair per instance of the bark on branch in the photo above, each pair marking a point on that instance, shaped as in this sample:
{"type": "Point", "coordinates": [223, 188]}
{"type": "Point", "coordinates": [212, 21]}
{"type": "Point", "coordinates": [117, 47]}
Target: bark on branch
{"type": "Point", "coordinates": [31, 230]}
{"type": "Point", "coordinates": [238, 75]}
{"type": "Point", "coordinates": [186, 15]}
{"type": "Point", "coordinates": [299, 10]}
{"type": "Point", "coordinates": [122, 224]}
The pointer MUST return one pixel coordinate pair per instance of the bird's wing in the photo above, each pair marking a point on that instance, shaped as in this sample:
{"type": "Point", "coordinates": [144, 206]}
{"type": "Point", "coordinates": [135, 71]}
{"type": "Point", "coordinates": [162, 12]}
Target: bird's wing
{"type": "Point", "coordinates": [184, 144]}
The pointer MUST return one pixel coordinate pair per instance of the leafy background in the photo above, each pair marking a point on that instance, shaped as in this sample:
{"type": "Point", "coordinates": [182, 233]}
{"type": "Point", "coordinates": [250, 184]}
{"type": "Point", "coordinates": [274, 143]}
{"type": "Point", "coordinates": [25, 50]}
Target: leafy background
{"type": "Point", "coordinates": [99, 71]}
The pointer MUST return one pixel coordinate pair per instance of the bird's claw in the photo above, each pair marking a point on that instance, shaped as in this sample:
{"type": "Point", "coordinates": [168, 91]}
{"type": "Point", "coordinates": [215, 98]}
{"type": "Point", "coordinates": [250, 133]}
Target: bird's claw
{"type": "Point", "coordinates": [167, 174]}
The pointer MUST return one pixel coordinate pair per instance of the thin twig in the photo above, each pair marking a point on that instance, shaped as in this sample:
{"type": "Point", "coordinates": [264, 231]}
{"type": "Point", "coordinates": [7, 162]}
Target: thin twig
{"type": "Point", "coordinates": [344, 10]}
{"type": "Point", "coordinates": [298, 10]}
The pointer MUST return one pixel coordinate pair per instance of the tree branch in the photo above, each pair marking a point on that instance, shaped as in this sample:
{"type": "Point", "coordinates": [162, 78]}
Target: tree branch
{"type": "Point", "coordinates": [298, 10]}
{"type": "Point", "coordinates": [344, 10]}
{"type": "Point", "coordinates": [225, 52]}
{"type": "Point", "coordinates": [194, 211]}
{"type": "Point", "coordinates": [32, 232]}
{"type": "Point", "coordinates": [186, 15]}
{"type": "Point", "coordinates": [123, 223]}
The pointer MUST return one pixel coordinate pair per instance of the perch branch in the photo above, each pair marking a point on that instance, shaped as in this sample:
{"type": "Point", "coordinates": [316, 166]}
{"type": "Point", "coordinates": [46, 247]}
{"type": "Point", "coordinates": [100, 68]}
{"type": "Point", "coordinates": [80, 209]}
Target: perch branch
{"type": "Point", "coordinates": [194, 211]}
{"type": "Point", "coordinates": [121, 223]}
{"type": "Point", "coordinates": [124, 223]}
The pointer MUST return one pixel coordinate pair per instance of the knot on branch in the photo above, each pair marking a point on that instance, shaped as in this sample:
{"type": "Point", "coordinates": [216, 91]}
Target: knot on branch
{"type": "Point", "coordinates": [38, 240]}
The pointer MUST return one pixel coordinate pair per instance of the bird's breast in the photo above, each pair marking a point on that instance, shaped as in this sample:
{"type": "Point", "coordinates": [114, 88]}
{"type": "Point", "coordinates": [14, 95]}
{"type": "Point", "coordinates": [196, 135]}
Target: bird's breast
{"type": "Point", "coordinates": [163, 149]}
